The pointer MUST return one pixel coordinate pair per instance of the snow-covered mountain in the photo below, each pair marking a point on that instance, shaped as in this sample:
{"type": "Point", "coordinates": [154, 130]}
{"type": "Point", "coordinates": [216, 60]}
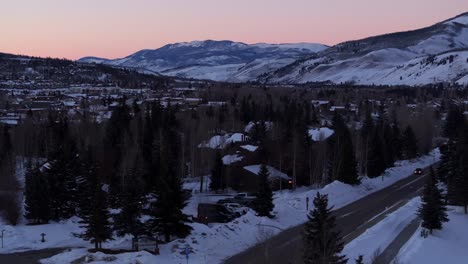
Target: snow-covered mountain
{"type": "Point", "coordinates": [215, 60]}
{"type": "Point", "coordinates": [438, 53]}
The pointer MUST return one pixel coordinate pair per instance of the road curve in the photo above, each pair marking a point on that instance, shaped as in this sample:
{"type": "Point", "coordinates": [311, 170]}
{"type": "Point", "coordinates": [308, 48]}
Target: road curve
{"type": "Point", "coordinates": [352, 220]}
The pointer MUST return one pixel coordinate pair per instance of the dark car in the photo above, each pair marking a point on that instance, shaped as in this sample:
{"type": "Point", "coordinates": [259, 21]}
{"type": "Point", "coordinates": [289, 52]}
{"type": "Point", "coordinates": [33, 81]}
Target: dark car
{"type": "Point", "coordinates": [418, 171]}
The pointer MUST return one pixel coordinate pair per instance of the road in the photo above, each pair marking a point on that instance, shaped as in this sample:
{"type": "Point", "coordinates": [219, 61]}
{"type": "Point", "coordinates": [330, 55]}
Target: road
{"type": "Point", "coordinates": [352, 220]}
{"type": "Point", "coordinates": [29, 257]}
{"type": "Point", "coordinates": [392, 250]}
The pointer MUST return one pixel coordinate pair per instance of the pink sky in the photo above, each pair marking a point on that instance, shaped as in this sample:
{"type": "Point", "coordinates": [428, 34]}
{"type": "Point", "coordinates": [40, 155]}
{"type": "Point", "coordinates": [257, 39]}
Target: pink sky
{"type": "Point", "coordinates": [117, 28]}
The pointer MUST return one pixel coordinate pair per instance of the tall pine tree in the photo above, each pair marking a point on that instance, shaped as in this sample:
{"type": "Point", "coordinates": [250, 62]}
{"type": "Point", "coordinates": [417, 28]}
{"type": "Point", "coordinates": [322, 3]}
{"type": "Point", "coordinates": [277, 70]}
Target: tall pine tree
{"type": "Point", "coordinates": [263, 203]}
{"type": "Point", "coordinates": [93, 208]}
{"type": "Point", "coordinates": [410, 144]}
{"type": "Point", "coordinates": [322, 242]}
{"type": "Point", "coordinates": [36, 197]}
{"type": "Point", "coordinates": [432, 211]}
{"type": "Point", "coordinates": [166, 216]}
{"type": "Point", "coordinates": [217, 174]}
{"type": "Point", "coordinates": [342, 162]}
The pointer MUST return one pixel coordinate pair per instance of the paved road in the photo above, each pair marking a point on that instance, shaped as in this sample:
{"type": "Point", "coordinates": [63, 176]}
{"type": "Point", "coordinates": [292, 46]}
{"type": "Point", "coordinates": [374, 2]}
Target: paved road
{"type": "Point", "coordinates": [352, 220]}
{"type": "Point", "coordinates": [389, 254]}
{"type": "Point", "coordinates": [29, 257]}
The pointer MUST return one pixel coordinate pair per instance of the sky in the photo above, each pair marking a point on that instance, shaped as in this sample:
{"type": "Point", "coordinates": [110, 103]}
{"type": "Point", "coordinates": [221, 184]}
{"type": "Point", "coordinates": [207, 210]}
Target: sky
{"type": "Point", "coordinates": [116, 28]}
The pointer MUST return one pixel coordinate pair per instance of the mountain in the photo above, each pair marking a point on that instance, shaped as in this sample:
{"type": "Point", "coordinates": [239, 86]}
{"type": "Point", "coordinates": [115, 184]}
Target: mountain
{"type": "Point", "coordinates": [17, 71]}
{"type": "Point", "coordinates": [438, 53]}
{"type": "Point", "coordinates": [214, 60]}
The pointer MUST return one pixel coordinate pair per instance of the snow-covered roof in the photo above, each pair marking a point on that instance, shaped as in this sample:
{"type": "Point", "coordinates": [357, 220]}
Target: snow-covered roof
{"type": "Point", "coordinates": [250, 148]}
{"type": "Point", "coordinates": [274, 173]}
{"type": "Point", "coordinates": [221, 141]}
{"type": "Point", "coordinates": [319, 134]}
{"type": "Point", "coordinates": [229, 159]}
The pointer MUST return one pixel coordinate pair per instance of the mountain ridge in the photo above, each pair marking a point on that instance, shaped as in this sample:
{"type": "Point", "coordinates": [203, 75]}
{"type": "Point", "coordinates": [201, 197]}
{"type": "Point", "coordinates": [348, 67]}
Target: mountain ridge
{"type": "Point", "coordinates": [372, 60]}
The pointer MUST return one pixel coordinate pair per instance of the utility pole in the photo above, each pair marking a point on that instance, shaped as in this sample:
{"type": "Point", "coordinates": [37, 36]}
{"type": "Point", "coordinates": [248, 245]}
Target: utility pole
{"type": "Point", "coordinates": [2, 237]}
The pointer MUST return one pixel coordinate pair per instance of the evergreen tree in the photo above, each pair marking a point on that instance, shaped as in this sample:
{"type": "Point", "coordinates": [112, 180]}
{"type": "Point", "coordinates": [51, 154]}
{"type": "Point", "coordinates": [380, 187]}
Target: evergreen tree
{"type": "Point", "coordinates": [166, 214]}
{"type": "Point", "coordinates": [395, 143]}
{"type": "Point", "coordinates": [263, 203]}
{"type": "Point", "coordinates": [36, 197]}
{"type": "Point", "coordinates": [128, 221]}
{"type": "Point", "coordinates": [448, 161]}
{"type": "Point", "coordinates": [376, 160]}
{"type": "Point", "coordinates": [454, 122]}
{"type": "Point", "coordinates": [432, 210]}
{"type": "Point", "coordinates": [458, 183]}
{"type": "Point", "coordinates": [322, 243]}
{"type": "Point", "coordinates": [217, 174]}
{"type": "Point", "coordinates": [342, 162]}
{"type": "Point", "coordinates": [410, 144]}
{"type": "Point", "coordinates": [360, 260]}
{"type": "Point", "coordinates": [61, 180]}
{"type": "Point", "coordinates": [93, 205]}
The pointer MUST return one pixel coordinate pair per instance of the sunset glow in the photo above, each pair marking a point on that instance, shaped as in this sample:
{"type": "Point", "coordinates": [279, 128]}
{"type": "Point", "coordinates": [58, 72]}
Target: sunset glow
{"type": "Point", "coordinates": [116, 28]}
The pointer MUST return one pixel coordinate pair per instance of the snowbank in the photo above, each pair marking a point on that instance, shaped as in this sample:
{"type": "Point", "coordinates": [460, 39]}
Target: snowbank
{"type": "Point", "coordinates": [378, 237]}
{"type": "Point", "coordinates": [445, 246]}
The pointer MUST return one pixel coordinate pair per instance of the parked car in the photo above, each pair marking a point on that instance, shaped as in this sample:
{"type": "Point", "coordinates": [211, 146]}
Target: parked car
{"type": "Point", "coordinates": [213, 213]}
{"type": "Point", "coordinates": [418, 171]}
{"type": "Point", "coordinates": [236, 209]}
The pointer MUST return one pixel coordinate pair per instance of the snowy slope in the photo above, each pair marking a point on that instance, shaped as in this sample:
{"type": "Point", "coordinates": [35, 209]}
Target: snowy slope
{"type": "Point", "coordinates": [398, 58]}
{"type": "Point", "coordinates": [215, 60]}
{"type": "Point", "coordinates": [445, 246]}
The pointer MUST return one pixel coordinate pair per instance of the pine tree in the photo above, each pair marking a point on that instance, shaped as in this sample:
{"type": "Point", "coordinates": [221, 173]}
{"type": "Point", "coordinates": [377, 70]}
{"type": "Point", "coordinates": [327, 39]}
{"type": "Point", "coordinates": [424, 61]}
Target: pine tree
{"type": "Point", "coordinates": [93, 205]}
{"type": "Point", "coordinates": [458, 183]}
{"type": "Point", "coordinates": [322, 243]}
{"type": "Point", "coordinates": [448, 162]}
{"type": "Point", "coordinates": [166, 214]}
{"type": "Point", "coordinates": [263, 203]}
{"type": "Point", "coordinates": [217, 174]}
{"type": "Point", "coordinates": [376, 161]}
{"type": "Point", "coordinates": [36, 197]}
{"type": "Point", "coordinates": [432, 211]}
{"type": "Point", "coordinates": [128, 221]}
{"type": "Point", "coordinates": [61, 180]}
{"type": "Point", "coordinates": [410, 144]}
{"type": "Point", "coordinates": [454, 122]}
{"type": "Point", "coordinates": [360, 260]}
{"type": "Point", "coordinates": [342, 162]}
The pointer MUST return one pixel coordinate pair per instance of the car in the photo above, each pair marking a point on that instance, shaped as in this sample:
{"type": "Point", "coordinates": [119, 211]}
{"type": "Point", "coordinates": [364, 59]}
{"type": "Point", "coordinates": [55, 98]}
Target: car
{"type": "Point", "coordinates": [418, 171]}
{"type": "Point", "coordinates": [236, 209]}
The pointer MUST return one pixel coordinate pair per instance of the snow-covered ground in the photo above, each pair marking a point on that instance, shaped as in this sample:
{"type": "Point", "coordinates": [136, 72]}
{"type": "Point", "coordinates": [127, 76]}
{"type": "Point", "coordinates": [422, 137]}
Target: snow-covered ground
{"type": "Point", "coordinates": [215, 242]}
{"type": "Point", "coordinates": [378, 237]}
{"type": "Point", "coordinates": [448, 245]}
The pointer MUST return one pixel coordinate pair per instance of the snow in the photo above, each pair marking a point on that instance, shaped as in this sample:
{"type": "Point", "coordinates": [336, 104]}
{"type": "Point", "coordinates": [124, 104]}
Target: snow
{"type": "Point", "coordinates": [222, 141]}
{"type": "Point", "coordinates": [312, 47]}
{"type": "Point", "coordinates": [229, 159]}
{"type": "Point", "coordinates": [460, 19]}
{"type": "Point", "coordinates": [250, 148]}
{"type": "Point", "coordinates": [274, 173]}
{"type": "Point", "coordinates": [251, 124]}
{"type": "Point", "coordinates": [445, 246]}
{"type": "Point", "coordinates": [320, 134]}
{"type": "Point", "coordinates": [379, 237]}
{"type": "Point", "coordinates": [215, 242]}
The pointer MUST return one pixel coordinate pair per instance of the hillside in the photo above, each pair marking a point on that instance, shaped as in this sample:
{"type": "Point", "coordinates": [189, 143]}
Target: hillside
{"type": "Point", "coordinates": [214, 60]}
{"type": "Point", "coordinates": [433, 54]}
